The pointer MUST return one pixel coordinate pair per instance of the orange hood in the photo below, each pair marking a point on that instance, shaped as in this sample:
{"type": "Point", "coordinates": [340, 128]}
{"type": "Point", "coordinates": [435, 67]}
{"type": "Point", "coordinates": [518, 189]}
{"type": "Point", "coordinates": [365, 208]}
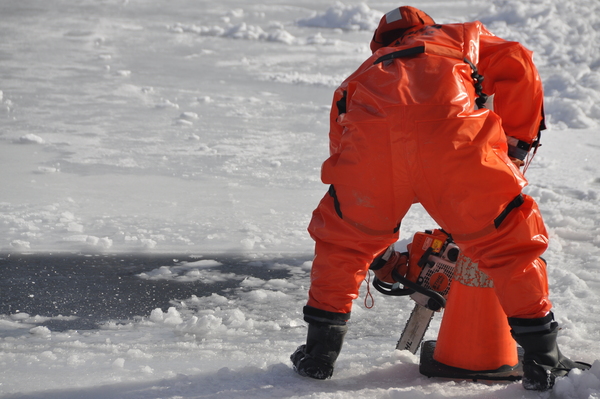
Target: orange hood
{"type": "Point", "coordinates": [393, 24]}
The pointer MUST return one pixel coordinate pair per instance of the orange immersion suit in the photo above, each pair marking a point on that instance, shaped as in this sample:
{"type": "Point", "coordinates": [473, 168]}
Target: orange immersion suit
{"type": "Point", "coordinates": [406, 130]}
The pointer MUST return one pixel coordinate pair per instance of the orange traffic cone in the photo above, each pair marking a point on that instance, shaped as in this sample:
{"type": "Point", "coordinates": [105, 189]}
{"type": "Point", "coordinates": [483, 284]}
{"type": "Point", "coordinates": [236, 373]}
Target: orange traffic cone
{"type": "Point", "coordinates": [474, 341]}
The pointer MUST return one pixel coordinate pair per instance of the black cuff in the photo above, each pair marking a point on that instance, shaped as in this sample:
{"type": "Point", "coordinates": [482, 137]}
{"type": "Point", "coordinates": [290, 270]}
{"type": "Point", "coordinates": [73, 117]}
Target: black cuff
{"type": "Point", "coordinates": [524, 326]}
{"type": "Point", "coordinates": [314, 315]}
{"type": "Point", "coordinates": [518, 148]}
{"type": "Point", "coordinates": [378, 263]}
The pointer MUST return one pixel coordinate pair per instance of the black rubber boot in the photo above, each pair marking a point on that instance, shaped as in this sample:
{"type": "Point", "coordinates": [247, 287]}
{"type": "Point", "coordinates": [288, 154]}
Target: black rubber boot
{"type": "Point", "coordinates": [542, 360]}
{"type": "Point", "coordinates": [323, 345]}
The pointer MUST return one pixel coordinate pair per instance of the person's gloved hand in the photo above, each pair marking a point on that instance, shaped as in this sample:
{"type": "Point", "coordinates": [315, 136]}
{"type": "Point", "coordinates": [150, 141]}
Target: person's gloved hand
{"type": "Point", "coordinates": [517, 162]}
{"type": "Point", "coordinates": [386, 263]}
{"type": "Point", "coordinates": [323, 345]}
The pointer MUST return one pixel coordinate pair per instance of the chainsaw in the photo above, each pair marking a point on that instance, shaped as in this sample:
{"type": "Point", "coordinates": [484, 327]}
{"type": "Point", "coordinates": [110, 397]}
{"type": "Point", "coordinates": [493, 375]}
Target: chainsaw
{"type": "Point", "coordinates": [432, 257]}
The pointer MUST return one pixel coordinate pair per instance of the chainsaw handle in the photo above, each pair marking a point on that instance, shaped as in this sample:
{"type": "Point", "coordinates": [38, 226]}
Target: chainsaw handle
{"type": "Point", "coordinates": [389, 289]}
{"type": "Point", "coordinates": [439, 300]}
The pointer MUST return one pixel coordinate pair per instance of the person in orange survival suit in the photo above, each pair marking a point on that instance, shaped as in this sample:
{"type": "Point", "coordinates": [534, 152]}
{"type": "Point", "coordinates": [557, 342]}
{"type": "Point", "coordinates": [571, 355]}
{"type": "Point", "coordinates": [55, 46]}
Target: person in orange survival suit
{"type": "Point", "coordinates": [410, 126]}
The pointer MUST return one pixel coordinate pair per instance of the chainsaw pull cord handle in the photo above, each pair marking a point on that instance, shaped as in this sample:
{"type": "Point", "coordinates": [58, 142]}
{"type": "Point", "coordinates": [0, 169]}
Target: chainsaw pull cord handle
{"type": "Point", "coordinates": [391, 289]}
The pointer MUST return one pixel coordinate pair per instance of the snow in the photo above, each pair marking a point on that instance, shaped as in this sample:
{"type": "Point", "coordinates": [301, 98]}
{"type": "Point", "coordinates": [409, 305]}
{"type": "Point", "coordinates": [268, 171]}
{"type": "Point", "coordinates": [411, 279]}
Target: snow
{"type": "Point", "coordinates": [198, 128]}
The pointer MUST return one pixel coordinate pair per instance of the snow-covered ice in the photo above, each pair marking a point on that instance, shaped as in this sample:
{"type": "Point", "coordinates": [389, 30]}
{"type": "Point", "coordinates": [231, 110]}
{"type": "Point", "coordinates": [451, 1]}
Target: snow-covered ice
{"type": "Point", "coordinates": [198, 128]}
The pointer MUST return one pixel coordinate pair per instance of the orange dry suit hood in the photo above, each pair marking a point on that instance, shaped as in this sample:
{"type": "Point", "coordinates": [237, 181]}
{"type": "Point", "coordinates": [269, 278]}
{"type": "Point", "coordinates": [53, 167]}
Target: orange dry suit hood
{"type": "Point", "coordinates": [393, 24]}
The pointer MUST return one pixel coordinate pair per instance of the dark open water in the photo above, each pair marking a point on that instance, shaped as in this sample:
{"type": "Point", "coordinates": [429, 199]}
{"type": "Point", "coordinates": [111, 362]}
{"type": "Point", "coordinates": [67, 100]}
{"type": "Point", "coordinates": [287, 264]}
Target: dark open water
{"type": "Point", "coordinates": [99, 288]}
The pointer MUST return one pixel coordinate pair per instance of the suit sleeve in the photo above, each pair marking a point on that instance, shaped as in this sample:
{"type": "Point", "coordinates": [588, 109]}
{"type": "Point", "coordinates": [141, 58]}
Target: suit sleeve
{"type": "Point", "coordinates": [510, 75]}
